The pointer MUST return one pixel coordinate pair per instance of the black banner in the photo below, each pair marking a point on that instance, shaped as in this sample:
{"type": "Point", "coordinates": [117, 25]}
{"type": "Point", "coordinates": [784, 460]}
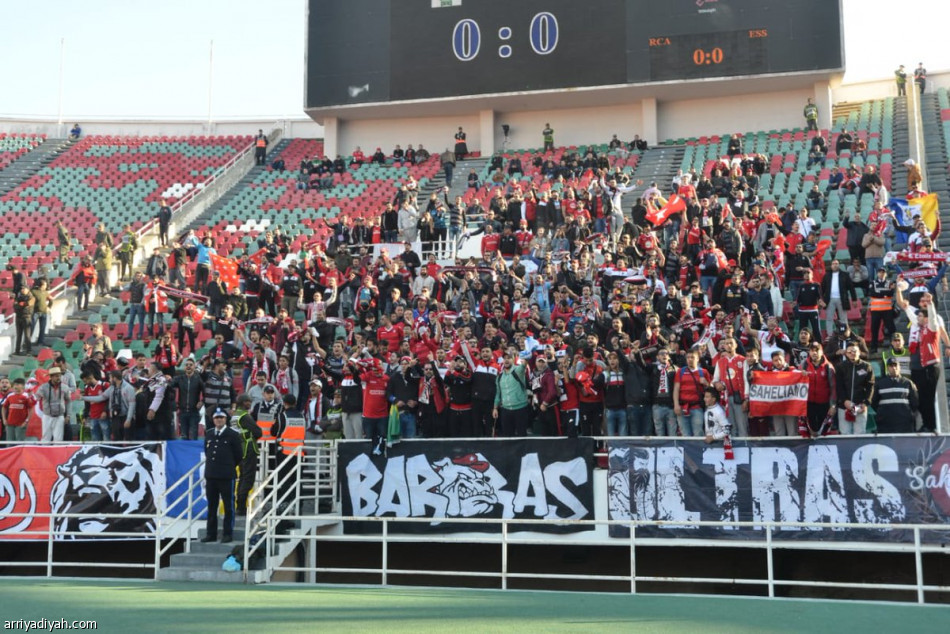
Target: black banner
{"type": "Point", "coordinates": [883, 480]}
{"type": "Point", "coordinates": [527, 479]}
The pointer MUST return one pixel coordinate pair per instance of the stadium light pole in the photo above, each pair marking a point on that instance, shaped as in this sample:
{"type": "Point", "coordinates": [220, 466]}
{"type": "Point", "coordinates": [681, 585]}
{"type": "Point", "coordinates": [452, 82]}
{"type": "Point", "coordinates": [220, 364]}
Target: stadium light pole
{"type": "Point", "coordinates": [62, 60]}
{"type": "Point", "coordinates": [210, 80]}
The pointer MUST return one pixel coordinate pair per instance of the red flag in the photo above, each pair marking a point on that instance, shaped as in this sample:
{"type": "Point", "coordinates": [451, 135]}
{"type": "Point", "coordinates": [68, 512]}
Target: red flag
{"type": "Point", "coordinates": [657, 217]}
{"type": "Point", "coordinates": [227, 268]}
{"type": "Point", "coordinates": [258, 256]}
{"type": "Point", "coordinates": [818, 259]}
{"type": "Point", "coordinates": [778, 394]}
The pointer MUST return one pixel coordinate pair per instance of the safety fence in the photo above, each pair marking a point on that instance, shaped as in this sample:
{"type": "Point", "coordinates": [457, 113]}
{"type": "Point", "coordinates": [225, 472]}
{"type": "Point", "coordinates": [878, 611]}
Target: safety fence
{"type": "Point", "coordinates": [507, 538]}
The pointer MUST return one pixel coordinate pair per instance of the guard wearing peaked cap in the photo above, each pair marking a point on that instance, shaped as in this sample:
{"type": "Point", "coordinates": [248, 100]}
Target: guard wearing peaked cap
{"type": "Point", "coordinates": [223, 452]}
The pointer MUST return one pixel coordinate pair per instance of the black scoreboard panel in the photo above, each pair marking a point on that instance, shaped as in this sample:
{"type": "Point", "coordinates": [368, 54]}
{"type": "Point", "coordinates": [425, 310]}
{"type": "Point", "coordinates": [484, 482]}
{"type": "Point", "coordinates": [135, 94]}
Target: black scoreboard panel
{"type": "Point", "coordinates": [363, 51]}
{"type": "Point", "coordinates": [695, 39]}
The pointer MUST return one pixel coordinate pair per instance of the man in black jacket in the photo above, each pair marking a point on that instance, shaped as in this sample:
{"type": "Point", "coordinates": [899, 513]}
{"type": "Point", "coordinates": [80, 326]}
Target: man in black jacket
{"type": "Point", "coordinates": [190, 392]}
{"type": "Point", "coordinates": [838, 292]}
{"type": "Point", "coordinates": [222, 455]}
{"type": "Point", "coordinates": [638, 392]}
{"type": "Point", "coordinates": [855, 389]}
{"type": "Point", "coordinates": [403, 390]}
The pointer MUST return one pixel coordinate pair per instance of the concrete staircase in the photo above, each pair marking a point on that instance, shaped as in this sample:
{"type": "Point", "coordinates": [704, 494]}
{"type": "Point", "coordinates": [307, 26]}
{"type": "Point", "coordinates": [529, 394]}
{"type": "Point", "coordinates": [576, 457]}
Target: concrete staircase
{"type": "Point", "coordinates": [204, 561]}
{"type": "Point", "coordinates": [843, 110]}
{"type": "Point", "coordinates": [936, 179]}
{"type": "Point", "coordinates": [901, 149]}
{"type": "Point", "coordinates": [204, 218]}
{"type": "Point", "coordinates": [658, 164]}
{"type": "Point", "coordinates": [30, 163]}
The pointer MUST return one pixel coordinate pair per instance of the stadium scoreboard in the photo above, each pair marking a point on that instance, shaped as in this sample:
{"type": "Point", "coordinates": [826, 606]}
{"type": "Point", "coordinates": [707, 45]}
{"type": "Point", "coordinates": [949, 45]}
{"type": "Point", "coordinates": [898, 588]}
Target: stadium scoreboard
{"type": "Point", "coordinates": [378, 51]}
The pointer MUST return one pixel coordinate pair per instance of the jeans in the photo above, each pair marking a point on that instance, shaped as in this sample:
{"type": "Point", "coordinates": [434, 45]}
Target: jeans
{"type": "Point", "coordinates": [136, 310]}
{"type": "Point", "coordinates": [188, 422]}
{"type": "Point", "coordinates": [639, 420]}
{"type": "Point", "coordinates": [41, 318]}
{"type": "Point", "coordinates": [390, 236]}
{"type": "Point", "coordinates": [739, 419]}
{"type": "Point", "coordinates": [873, 265]}
{"type": "Point", "coordinates": [100, 428]}
{"type": "Point", "coordinates": [600, 225]}
{"type": "Point", "coordinates": [692, 424]}
{"type": "Point", "coordinates": [857, 426]}
{"type": "Point", "coordinates": [375, 428]}
{"type": "Point", "coordinates": [156, 317]}
{"type": "Point", "coordinates": [616, 422]}
{"type": "Point", "coordinates": [793, 286]}
{"type": "Point", "coordinates": [407, 425]}
{"type": "Point", "coordinates": [706, 282]}
{"type": "Point", "coordinates": [82, 296]}
{"type": "Point", "coordinates": [664, 420]}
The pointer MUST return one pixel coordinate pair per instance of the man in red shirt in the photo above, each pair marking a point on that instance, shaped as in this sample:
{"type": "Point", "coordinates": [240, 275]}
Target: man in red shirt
{"type": "Point", "coordinates": [16, 411]}
{"type": "Point", "coordinates": [375, 405]}
{"type": "Point", "coordinates": [489, 241]}
{"type": "Point", "coordinates": [688, 388]}
{"type": "Point", "coordinates": [98, 416]}
{"type": "Point", "coordinates": [729, 379]}
{"type": "Point", "coordinates": [388, 334]}
{"type": "Point", "coordinates": [822, 388]}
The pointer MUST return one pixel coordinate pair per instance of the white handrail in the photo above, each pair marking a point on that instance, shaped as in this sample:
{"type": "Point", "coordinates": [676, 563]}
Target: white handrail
{"type": "Point", "coordinates": [506, 538]}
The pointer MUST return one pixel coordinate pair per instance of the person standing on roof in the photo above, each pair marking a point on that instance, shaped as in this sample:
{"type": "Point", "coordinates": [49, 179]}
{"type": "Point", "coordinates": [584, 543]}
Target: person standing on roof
{"type": "Point", "coordinates": [811, 115]}
{"type": "Point", "coordinates": [260, 147]}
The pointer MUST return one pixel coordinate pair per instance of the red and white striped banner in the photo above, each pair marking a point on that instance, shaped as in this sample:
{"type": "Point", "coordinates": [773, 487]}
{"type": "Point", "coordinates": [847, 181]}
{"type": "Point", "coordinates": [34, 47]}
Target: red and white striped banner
{"type": "Point", "coordinates": [778, 394]}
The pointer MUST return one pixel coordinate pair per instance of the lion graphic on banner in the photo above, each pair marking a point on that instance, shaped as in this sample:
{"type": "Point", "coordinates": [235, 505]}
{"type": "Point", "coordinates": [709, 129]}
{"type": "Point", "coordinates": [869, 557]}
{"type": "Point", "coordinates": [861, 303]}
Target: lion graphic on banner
{"type": "Point", "coordinates": [101, 480]}
{"type": "Point", "coordinates": [471, 485]}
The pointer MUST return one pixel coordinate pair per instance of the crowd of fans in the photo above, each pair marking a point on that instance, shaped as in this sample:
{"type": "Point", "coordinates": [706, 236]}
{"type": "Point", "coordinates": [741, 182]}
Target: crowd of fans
{"type": "Point", "coordinates": [578, 318]}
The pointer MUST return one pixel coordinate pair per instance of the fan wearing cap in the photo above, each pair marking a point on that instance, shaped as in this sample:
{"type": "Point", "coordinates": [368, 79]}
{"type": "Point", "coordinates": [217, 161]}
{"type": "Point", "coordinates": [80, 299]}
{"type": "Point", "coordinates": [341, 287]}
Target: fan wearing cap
{"type": "Point", "coordinates": [836, 344]}
{"type": "Point", "coordinates": [881, 306]}
{"type": "Point", "coordinates": [314, 411]}
{"type": "Point", "coordinates": [895, 401]}
{"type": "Point", "coordinates": [223, 453]}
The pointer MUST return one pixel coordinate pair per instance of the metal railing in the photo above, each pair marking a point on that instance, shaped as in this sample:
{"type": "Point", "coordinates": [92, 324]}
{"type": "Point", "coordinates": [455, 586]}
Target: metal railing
{"type": "Point", "coordinates": [174, 531]}
{"type": "Point", "coordinates": [523, 536]}
{"type": "Point", "coordinates": [169, 530]}
{"type": "Point", "coordinates": [273, 501]}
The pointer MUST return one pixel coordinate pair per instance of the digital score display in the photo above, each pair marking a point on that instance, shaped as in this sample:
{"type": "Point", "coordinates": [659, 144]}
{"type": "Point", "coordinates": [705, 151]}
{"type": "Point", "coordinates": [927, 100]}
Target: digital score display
{"type": "Point", "coordinates": [702, 55]}
{"type": "Point", "coordinates": [374, 51]}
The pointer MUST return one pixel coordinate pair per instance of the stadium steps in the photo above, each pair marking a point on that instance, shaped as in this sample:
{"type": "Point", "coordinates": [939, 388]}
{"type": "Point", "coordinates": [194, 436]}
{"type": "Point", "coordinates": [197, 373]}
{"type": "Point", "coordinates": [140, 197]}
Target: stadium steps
{"type": "Point", "coordinates": [205, 217]}
{"type": "Point", "coordinates": [936, 181]}
{"type": "Point", "coordinates": [658, 164]}
{"type": "Point", "coordinates": [936, 178]}
{"type": "Point", "coordinates": [204, 561]}
{"type": "Point", "coordinates": [30, 163]}
{"type": "Point", "coordinates": [843, 110]}
{"type": "Point", "coordinates": [459, 178]}
{"type": "Point", "coordinates": [901, 148]}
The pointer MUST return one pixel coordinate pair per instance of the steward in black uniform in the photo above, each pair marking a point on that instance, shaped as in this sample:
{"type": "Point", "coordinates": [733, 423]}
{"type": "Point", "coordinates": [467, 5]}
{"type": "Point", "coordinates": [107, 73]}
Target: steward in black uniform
{"type": "Point", "coordinates": [247, 426]}
{"type": "Point", "coordinates": [222, 455]}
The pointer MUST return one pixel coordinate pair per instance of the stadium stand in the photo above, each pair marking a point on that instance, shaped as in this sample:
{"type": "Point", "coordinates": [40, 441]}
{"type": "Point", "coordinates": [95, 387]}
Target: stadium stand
{"type": "Point", "coordinates": [13, 146]}
{"type": "Point", "coordinates": [114, 180]}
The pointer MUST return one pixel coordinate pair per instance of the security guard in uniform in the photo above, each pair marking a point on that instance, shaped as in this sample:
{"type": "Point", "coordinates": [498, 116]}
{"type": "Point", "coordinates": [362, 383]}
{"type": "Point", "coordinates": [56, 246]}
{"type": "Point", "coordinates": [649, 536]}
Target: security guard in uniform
{"type": "Point", "coordinates": [895, 401]}
{"type": "Point", "coordinates": [223, 453]}
{"type": "Point", "coordinates": [268, 415]}
{"type": "Point", "coordinates": [250, 432]}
